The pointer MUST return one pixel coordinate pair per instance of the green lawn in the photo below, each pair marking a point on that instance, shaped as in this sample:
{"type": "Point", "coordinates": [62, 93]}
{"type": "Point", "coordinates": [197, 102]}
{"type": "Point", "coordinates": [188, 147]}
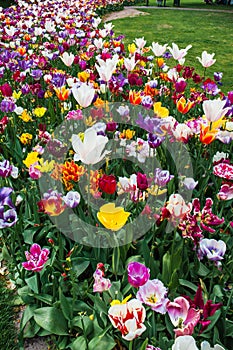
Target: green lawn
{"type": "Point", "coordinates": [205, 30]}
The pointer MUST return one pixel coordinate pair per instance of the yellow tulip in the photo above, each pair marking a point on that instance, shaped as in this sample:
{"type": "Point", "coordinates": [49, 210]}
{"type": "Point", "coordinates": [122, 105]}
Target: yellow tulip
{"type": "Point", "coordinates": [111, 217]}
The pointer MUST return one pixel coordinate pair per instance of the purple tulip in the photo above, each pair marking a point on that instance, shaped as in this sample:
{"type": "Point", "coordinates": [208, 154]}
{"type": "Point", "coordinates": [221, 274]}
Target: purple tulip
{"type": "Point", "coordinates": [72, 199]}
{"type": "Point", "coordinates": [5, 193]}
{"type": "Point", "coordinates": [7, 106]}
{"type": "Point", "coordinates": [211, 248]}
{"type": "Point", "coordinates": [162, 177]}
{"type": "Point", "coordinates": [151, 347]}
{"type": "Point", "coordinates": [138, 274]}
{"type": "Point", "coordinates": [7, 218]}
{"type": "Point", "coordinates": [36, 258]}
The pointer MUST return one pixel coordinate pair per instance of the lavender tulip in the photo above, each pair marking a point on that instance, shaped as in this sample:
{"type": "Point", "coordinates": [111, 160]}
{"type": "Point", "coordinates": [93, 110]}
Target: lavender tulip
{"type": "Point", "coordinates": [138, 274]}
{"type": "Point", "coordinates": [212, 249]}
{"type": "Point", "coordinates": [153, 293]}
{"type": "Point", "coordinates": [7, 218]}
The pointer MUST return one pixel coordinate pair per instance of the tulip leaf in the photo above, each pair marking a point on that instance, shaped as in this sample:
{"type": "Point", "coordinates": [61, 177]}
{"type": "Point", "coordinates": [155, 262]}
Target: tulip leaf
{"type": "Point", "coordinates": [99, 343]}
{"type": "Point", "coordinates": [188, 284]}
{"type": "Point", "coordinates": [79, 343]}
{"type": "Point", "coordinates": [51, 319]}
{"type": "Point", "coordinates": [32, 283]}
{"type": "Point", "coordinates": [80, 266]}
{"type": "Point", "coordinates": [144, 344]}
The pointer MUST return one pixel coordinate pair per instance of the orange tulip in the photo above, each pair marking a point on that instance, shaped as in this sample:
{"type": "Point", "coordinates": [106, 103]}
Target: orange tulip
{"type": "Point", "coordinates": [62, 93]}
{"type": "Point", "coordinates": [207, 135]}
{"type": "Point", "coordinates": [135, 97]}
{"type": "Point", "coordinates": [183, 106]}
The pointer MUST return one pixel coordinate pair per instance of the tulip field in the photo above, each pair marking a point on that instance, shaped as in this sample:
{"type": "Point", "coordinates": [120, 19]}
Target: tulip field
{"type": "Point", "coordinates": [116, 184]}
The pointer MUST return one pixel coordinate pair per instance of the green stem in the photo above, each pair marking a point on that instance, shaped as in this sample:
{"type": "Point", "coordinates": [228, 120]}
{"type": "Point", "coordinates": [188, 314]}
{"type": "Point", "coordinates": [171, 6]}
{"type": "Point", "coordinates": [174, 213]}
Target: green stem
{"type": "Point", "coordinates": [131, 345]}
{"type": "Point", "coordinates": [84, 333]}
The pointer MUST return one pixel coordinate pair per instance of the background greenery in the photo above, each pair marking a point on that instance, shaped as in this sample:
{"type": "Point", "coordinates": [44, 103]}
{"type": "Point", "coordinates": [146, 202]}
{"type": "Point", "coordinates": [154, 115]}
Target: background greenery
{"type": "Point", "coordinates": [205, 30]}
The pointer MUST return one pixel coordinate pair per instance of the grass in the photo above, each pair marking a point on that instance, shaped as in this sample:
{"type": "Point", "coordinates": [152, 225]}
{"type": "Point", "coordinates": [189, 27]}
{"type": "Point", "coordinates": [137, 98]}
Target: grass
{"type": "Point", "coordinates": [7, 326]}
{"type": "Point", "coordinates": [205, 30]}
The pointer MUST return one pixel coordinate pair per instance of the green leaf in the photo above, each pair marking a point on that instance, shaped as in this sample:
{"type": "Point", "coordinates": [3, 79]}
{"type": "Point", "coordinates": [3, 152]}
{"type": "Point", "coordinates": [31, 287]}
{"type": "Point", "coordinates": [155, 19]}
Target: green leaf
{"type": "Point", "coordinates": [144, 344]}
{"type": "Point", "coordinates": [78, 344]}
{"type": "Point", "coordinates": [25, 294]}
{"type": "Point", "coordinates": [81, 266]}
{"type": "Point", "coordinates": [45, 298]}
{"type": "Point", "coordinates": [84, 323]}
{"type": "Point", "coordinates": [166, 272]}
{"type": "Point", "coordinates": [32, 283]}
{"type": "Point", "coordinates": [188, 284]}
{"type": "Point", "coordinates": [203, 270]}
{"type": "Point", "coordinates": [99, 343]}
{"type": "Point", "coordinates": [52, 320]}
{"type": "Point", "coordinates": [65, 305]}
{"type": "Point", "coordinates": [27, 315]}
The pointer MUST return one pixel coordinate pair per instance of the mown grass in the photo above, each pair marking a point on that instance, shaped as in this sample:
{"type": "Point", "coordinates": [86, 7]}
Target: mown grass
{"type": "Point", "coordinates": [210, 31]}
{"type": "Point", "coordinates": [7, 326]}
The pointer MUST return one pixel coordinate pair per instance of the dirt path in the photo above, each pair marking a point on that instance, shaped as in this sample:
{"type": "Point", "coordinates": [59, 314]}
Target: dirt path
{"type": "Point", "coordinates": [136, 11]}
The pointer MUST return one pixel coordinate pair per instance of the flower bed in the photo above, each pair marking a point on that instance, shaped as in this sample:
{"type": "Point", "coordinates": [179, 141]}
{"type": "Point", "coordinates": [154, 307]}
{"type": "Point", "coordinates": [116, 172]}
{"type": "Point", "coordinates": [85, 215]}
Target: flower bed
{"type": "Point", "coordinates": [116, 184]}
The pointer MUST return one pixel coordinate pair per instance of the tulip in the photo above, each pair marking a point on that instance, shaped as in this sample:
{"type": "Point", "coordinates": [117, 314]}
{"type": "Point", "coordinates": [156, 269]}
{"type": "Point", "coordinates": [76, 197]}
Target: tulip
{"type": "Point", "coordinates": [138, 274]}
{"type": "Point", "coordinates": [84, 94]}
{"type": "Point", "coordinates": [177, 207]}
{"type": "Point", "coordinates": [186, 342]}
{"type": "Point", "coordinates": [182, 316]}
{"type": "Point", "coordinates": [211, 248]}
{"type": "Point", "coordinates": [91, 149]}
{"type": "Point", "coordinates": [106, 68]}
{"type": "Point", "coordinates": [36, 258]}
{"type": "Point", "coordinates": [72, 199]}
{"type": "Point", "coordinates": [128, 318]}
{"type": "Point", "coordinates": [223, 170]}
{"type": "Point", "coordinates": [67, 59]}
{"type": "Point", "coordinates": [183, 106]}
{"type": "Point", "coordinates": [153, 293]}
{"type": "Point", "coordinates": [101, 284]}
{"type": "Point", "coordinates": [107, 184]}
{"type": "Point", "coordinates": [205, 345]}
{"type": "Point", "coordinates": [111, 217]}
{"type": "Point", "coordinates": [214, 109]}
{"type": "Point", "coordinates": [142, 182]}
{"type": "Point", "coordinates": [206, 59]}
{"type": "Point", "coordinates": [225, 192]}
{"type": "Point", "coordinates": [158, 50]}
{"type": "Point", "coordinates": [130, 63]}
{"type": "Point", "coordinates": [179, 54]}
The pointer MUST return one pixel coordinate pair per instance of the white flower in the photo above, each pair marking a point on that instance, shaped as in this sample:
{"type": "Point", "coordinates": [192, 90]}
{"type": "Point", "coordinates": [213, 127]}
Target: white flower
{"type": "Point", "coordinates": [206, 59]}
{"type": "Point", "coordinates": [220, 156]}
{"type": "Point", "coordinates": [214, 109]}
{"type": "Point", "coordinates": [91, 149]}
{"type": "Point", "coordinates": [140, 42]}
{"type": "Point", "coordinates": [10, 31]}
{"type": "Point", "coordinates": [106, 68]}
{"type": "Point", "coordinates": [67, 59]}
{"type": "Point", "coordinates": [157, 49]}
{"type": "Point", "coordinates": [83, 95]}
{"type": "Point", "coordinates": [185, 342]}
{"type": "Point", "coordinates": [179, 54]}
{"type": "Point", "coordinates": [130, 63]}
{"type": "Point", "coordinates": [206, 346]}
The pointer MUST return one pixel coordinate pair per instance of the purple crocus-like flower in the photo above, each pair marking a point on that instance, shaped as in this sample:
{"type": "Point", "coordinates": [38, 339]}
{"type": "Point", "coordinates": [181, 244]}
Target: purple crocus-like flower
{"type": "Point", "coordinates": [211, 248]}
{"type": "Point", "coordinates": [155, 141]}
{"type": "Point", "coordinates": [162, 177]}
{"type": "Point", "coordinates": [72, 199]}
{"type": "Point", "coordinates": [36, 74]}
{"type": "Point", "coordinates": [7, 105]}
{"type": "Point", "coordinates": [5, 199]}
{"type": "Point", "coordinates": [7, 218]}
{"type": "Point", "coordinates": [154, 294]}
{"type": "Point", "coordinates": [138, 274]}
{"type": "Point", "coordinates": [36, 258]}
